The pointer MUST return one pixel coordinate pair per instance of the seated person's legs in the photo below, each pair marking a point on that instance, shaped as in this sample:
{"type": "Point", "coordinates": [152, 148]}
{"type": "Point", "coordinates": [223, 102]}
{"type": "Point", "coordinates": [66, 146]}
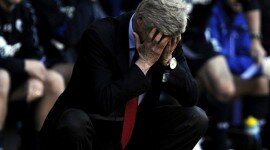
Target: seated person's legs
{"type": "Point", "coordinates": [4, 90]}
{"type": "Point", "coordinates": [216, 78]}
{"type": "Point", "coordinates": [53, 86]}
{"type": "Point", "coordinates": [30, 91]}
{"type": "Point", "coordinates": [65, 69]}
{"type": "Point", "coordinates": [256, 86]}
{"type": "Point", "coordinates": [46, 92]}
{"type": "Point", "coordinates": [255, 94]}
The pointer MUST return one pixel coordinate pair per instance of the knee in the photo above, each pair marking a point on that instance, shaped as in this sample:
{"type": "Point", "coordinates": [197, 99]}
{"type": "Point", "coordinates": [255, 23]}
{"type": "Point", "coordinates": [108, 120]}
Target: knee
{"type": "Point", "coordinates": [217, 79]}
{"type": "Point", "coordinates": [5, 82]}
{"type": "Point", "coordinates": [74, 125]}
{"type": "Point", "coordinates": [54, 82]}
{"type": "Point", "coordinates": [224, 91]}
{"type": "Point", "coordinates": [260, 87]}
{"type": "Point", "coordinates": [199, 121]}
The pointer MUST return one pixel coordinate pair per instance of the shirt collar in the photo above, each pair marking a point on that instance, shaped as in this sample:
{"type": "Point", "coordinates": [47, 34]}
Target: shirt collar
{"type": "Point", "coordinates": [130, 35]}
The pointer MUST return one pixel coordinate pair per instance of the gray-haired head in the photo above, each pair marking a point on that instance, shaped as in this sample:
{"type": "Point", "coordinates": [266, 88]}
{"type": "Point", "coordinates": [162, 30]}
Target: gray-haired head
{"type": "Point", "coordinates": [168, 16]}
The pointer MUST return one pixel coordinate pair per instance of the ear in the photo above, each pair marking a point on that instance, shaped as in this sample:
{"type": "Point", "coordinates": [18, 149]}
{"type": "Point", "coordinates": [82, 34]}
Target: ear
{"type": "Point", "coordinates": [137, 26]}
{"type": "Point", "coordinates": [139, 21]}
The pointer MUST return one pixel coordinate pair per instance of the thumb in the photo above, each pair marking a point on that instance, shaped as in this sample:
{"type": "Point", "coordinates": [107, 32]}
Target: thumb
{"type": "Point", "coordinates": [137, 39]}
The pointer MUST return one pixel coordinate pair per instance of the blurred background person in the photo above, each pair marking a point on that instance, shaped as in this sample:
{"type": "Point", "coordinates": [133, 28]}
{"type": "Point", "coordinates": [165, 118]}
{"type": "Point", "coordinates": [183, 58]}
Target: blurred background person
{"type": "Point", "coordinates": [210, 67]}
{"type": "Point", "coordinates": [60, 25]}
{"type": "Point", "coordinates": [265, 38]}
{"type": "Point", "coordinates": [22, 72]}
{"type": "Point", "coordinates": [228, 32]}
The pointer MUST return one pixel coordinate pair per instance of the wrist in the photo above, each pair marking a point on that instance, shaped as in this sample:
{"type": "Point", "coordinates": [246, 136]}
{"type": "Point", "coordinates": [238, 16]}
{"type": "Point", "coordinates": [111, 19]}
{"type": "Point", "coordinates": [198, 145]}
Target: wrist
{"type": "Point", "coordinates": [166, 62]}
{"type": "Point", "coordinates": [256, 37]}
{"type": "Point", "coordinates": [143, 66]}
{"type": "Point", "coordinates": [171, 65]}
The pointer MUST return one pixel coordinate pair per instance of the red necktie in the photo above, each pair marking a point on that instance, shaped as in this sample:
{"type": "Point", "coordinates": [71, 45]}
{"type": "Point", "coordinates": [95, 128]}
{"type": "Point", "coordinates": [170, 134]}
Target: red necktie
{"type": "Point", "coordinates": [129, 121]}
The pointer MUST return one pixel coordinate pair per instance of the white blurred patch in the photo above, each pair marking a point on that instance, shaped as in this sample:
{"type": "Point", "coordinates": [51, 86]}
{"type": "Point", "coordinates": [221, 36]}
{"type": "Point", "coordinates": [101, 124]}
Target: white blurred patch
{"type": "Point", "coordinates": [18, 25]}
{"type": "Point", "coordinates": [58, 45]}
{"type": "Point", "coordinates": [190, 4]}
{"type": "Point", "coordinates": [8, 50]}
{"type": "Point", "coordinates": [266, 67]}
{"type": "Point", "coordinates": [202, 2]}
{"type": "Point", "coordinates": [213, 41]}
{"type": "Point", "coordinates": [68, 10]}
{"type": "Point", "coordinates": [7, 27]}
{"type": "Point", "coordinates": [198, 145]}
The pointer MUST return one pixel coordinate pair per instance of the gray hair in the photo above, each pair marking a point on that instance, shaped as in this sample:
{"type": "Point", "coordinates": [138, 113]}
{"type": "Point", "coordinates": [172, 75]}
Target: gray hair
{"type": "Point", "coordinates": [168, 16]}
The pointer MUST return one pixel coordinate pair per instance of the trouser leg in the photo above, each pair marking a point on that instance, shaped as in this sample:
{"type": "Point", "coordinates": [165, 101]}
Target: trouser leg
{"type": "Point", "coordinates": [71, 130]}
{"type": "Point", "coordinates": [169, 128]}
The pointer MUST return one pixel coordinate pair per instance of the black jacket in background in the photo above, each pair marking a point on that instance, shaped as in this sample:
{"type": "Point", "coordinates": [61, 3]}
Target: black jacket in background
{"type": "Point", "coordinates": [64, 21]}
{"type": "Point", "coordinates": [102, 81]}
{"type": "Point", "coordinates": [18, 26]}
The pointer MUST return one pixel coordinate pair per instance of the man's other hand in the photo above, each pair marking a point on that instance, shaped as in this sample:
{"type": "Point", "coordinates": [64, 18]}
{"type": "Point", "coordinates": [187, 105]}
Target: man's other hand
{"type": "Point", "coordinates": [169, 49]}
{"type": "Point", "coordinates": [151, 49]}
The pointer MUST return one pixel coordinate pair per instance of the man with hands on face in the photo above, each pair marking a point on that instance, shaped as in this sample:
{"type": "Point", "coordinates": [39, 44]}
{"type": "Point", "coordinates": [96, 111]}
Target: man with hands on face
{"type": "Point", "coordinates": [131, 87]}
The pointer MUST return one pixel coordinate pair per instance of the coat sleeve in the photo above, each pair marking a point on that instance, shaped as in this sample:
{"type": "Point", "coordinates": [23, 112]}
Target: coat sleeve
{"type": "Point", "coordinates": [94, 70]}
{"type": "Point", "coordinates": [181, 85]}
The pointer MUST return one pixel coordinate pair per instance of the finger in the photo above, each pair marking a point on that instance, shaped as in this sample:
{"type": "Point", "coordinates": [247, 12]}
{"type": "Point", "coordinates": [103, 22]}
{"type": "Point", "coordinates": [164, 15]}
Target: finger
{"type": "Point", "coordinates": [174, 44]}
{"type": "Point", "coordinates": [157, 38]}
{"type": "Point", "coordinates": [169, 45]}
{"type": "Point", "coordinates": [173, 41]}
{"type": "Point", "coordinates": [179, 38]}
{"type": "Point", "coordinates": [137, 39]}
{"type": "Point", "coordinates": [167, 49]}
{"type": "Point", "coordinates": [151, 34]}
{"type": "Point", "coordinates": [164, 42]}
{"type": "Point", "coordinates": [161, 46]}
{"type": "Point", "coordinates": [176, 40]}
